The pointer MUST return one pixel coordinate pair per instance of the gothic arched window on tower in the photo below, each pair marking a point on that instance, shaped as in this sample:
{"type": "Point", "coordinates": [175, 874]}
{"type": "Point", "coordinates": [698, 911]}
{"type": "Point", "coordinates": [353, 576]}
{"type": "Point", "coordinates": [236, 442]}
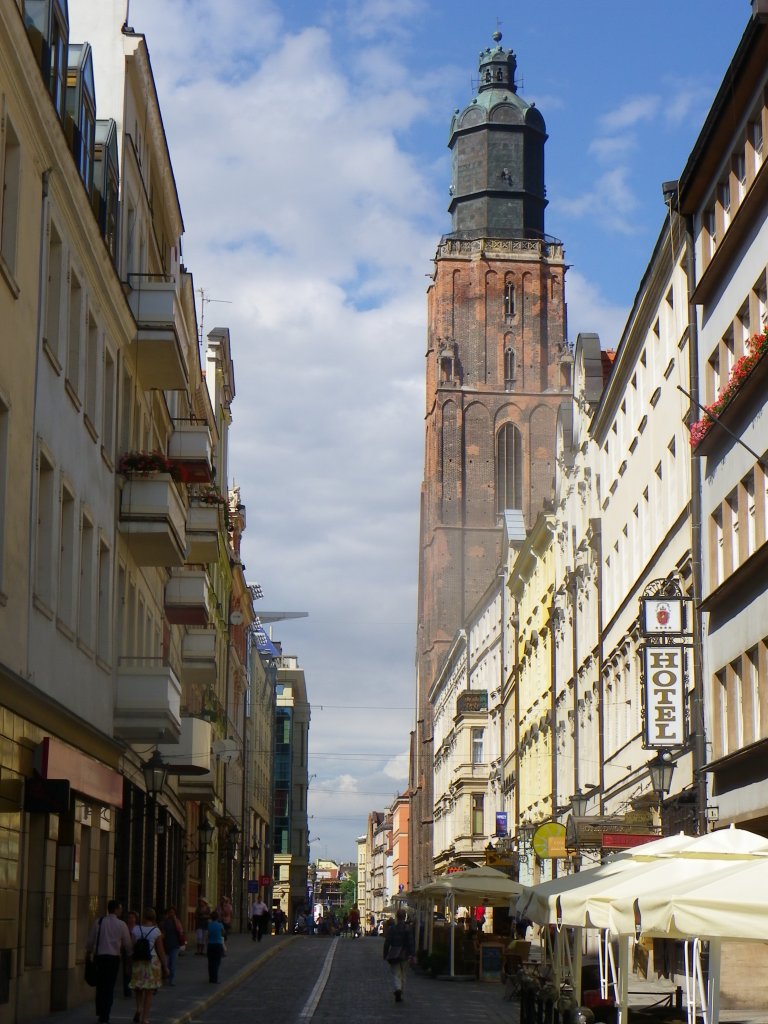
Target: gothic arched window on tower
{"type": "Point", "coordinates": [510, 367]}
{"type": "Point", "coordinates": [509, 300]}
{"type": "Point", "coordinates": [509, 468]}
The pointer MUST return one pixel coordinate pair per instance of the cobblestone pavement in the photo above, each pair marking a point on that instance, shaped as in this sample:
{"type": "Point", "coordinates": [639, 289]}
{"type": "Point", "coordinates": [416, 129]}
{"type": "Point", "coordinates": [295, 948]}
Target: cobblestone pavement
{"type": "Point", "coordinates": [280, 980]}
{"type": "Point", "coordinates": [358, 990]}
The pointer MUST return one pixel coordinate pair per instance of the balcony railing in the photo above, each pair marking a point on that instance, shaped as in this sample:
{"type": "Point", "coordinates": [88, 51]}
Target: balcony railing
{"type": "Point", "coordinates": [191, 756]}
{"type": "Point", "coordinates": [153, 520]}
{"type": "Point", "coordinates": [191, 452]}
{"type": "Point", "coordinates": [204, 522]}
{"type": "Point", "coordinates": [187, 598]}
{"type": "Point", "coordinates": [147, 701]}
{"type": "Point", "coordinates": [198, 657]}
{"type": "Point", "coordinates": [155, 306]}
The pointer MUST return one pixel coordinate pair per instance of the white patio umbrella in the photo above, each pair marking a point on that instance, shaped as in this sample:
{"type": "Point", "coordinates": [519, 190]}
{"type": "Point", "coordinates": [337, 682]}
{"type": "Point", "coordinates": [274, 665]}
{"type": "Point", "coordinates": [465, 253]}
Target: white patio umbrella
{"type": "Point", "coordinates": [474, 887]}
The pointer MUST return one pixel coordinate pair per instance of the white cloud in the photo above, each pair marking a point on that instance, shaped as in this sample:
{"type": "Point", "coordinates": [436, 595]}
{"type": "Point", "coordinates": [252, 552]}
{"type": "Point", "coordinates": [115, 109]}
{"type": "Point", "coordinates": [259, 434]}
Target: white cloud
{"type": "Point", "coordinates": [610, 203]}
{"type": "Point", "coordinates": [630, 113]}
{"type": "Point", "coordinates": [590, 311]}
{"type": "Point", "coordinates": [397, 768]}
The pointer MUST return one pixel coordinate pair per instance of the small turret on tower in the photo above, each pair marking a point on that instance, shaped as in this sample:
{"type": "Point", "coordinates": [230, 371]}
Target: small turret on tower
{"type": "Point", "coordinates": [497, 143]}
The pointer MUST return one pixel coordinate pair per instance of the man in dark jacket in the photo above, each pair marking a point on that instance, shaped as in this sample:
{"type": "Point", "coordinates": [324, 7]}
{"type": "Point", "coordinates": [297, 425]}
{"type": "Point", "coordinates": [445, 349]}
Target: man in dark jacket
{"type": "Point", "coordinates": [398, 951]}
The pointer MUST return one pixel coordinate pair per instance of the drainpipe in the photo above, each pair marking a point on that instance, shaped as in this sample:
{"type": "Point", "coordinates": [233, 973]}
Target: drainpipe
{"type": "Point", "coordinates": [698, 725]}
{"type": "Point", "coordinates": [574, 590]}
{"type": "Point", "coordinates": [597, 550]}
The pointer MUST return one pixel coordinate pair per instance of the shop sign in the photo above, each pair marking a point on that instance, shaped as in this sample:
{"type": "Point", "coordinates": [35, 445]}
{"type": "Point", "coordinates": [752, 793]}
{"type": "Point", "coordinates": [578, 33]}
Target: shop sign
{"type": "Point", "coordinates": [626, 840]}
{"type": "Point", "coordinates": [662, 616]}
{"type": "Point", "coordinates": [542, 843]}
{"type": "Point", "coordinates": [664, 696]}
{"type": "Point", "coordinates": [471, 701]}
{"type": "Point", "coordinates": [501, 823]}
{"type": "Point", "coordinates": [265, 881]}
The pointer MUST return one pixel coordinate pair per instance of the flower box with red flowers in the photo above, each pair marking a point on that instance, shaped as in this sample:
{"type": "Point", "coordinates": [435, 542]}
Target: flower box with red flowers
{"type": "Point", "coordinates": [745, 378]}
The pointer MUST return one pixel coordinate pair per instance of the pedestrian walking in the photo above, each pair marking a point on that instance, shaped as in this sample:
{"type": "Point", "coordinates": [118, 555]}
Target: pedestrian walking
{"type": "Point", "coordinates": [202, 917]}
{"type": "Point", "coordinates": [354, 922]}
{"type": "Point", "coordinates": [259, 918]}
{"type": "Point", "coordinates": [150, 965]}
{"type": "Point", "coordinates": [173, 939]}
{"type": "Point", "coordinates": [215, 947]}
{"type": "Point", "coordinates": [398, 951]}
{"type": "Point", "coordinates": [107, 941]}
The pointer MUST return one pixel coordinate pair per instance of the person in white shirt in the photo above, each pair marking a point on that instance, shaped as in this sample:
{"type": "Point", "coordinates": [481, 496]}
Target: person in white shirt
{"type": "Point", "coordinates": [107, 940]}
{"type": "Point", "coordinates": [259, 918]}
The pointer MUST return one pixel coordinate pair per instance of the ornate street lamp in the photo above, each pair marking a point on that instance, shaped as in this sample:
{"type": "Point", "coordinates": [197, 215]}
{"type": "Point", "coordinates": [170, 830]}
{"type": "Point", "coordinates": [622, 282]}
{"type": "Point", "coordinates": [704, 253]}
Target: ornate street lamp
{"type": "Point", "coordinates": [661, 769]}
{"type": "Point", "coordinates": [579, 804]}
{"type": "Point", "coordinates": [155, 772]}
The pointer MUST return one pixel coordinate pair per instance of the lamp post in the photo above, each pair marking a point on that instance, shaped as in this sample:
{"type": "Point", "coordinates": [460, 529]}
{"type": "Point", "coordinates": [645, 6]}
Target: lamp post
{"type": "Point", "coordinates": [155, 772]}
{"type": "Point", "coordinates": [579, 804]}
{"type": "Point", "coordinates": [661, 769]}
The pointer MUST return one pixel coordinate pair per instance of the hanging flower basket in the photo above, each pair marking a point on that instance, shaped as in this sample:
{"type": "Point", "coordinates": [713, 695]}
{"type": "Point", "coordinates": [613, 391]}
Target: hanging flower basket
{"type": "Point", "coordinates": [757, 346]}
{"type": "Point", "coordinates": [143, 463]}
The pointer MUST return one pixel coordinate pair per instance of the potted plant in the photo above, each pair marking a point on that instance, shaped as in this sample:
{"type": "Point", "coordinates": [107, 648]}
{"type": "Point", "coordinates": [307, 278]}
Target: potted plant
{"type": "Point", "coordinates": [144, 462]}
{"type": "Point", "coordinates": [757, 346]}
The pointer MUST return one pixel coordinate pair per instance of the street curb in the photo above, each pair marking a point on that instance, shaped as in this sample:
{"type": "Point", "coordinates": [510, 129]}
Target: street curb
{"type": "Point", "coordinates": [232, 984]}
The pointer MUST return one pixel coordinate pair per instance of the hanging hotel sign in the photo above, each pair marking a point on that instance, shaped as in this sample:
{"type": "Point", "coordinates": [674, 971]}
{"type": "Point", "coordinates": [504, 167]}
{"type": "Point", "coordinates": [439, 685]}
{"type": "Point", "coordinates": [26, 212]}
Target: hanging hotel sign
{"type": "Point", "coordinates": [664, 695]}
{"type": "Point", "coordinates": [664, 623]}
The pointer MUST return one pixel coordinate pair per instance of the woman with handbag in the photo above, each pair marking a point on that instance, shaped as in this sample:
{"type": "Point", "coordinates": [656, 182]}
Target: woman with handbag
{"type": "Point", "coordinates": [150, 964]}
{"type": "Point", "coordinates": [398, 951]}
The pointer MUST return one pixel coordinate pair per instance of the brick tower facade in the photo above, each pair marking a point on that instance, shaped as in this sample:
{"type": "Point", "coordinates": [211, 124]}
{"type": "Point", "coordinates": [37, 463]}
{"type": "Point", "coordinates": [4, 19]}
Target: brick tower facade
{"type": "Point", "coordinates": [498, 368]}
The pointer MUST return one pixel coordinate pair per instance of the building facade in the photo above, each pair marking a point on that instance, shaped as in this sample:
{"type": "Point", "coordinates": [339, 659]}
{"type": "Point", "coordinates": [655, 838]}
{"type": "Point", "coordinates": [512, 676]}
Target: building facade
{"type": "Point", "coordinates": [497, 367]}
{"type": "Point", "coordinates": [291, 779]}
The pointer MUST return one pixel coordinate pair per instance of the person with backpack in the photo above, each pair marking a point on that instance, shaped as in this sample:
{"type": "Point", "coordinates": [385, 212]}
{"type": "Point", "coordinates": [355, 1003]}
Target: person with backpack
{"type": "Point", "coordinates": [150, 964]}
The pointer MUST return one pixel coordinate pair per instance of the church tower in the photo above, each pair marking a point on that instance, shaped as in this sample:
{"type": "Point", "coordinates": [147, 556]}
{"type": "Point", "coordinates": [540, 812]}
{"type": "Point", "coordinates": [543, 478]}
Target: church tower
{"type": "Point", "coordinates": [497, 370]}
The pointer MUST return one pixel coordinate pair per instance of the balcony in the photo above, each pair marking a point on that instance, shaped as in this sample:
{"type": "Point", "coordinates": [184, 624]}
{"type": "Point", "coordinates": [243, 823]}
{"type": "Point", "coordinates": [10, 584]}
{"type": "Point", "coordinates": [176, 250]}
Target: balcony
{"type": "Point", "coordinates": [157, 312]}
{"type": "Point", "coordinates": [153, 520]}
{"type": "Point", "coordinates": [187, 601]}
{"type": "Point", "coordinates": [198, 787]}
{"type": "Point", "coordinates": [739, 404]}
{"type": "Point", "coordinates": [203, 527]}
{"type": "Point", "coordinates": [198, 657]}
{"type": "Point", "coordinates": [191, 756]}
{"type": "Point", "coordinates": [190, 450]}
{"type": "Point", "coordinates": [147, 702]}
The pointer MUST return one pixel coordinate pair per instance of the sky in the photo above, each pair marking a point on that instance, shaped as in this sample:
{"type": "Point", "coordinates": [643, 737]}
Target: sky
{"type": "Point", "coordinates": [308, 140]}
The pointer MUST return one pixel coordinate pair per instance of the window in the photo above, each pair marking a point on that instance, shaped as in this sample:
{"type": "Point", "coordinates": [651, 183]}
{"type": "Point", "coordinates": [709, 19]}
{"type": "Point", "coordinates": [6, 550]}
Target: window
{"type": "Point", "coordinates": [9, 210]}
{"type": "Point", "coordinates": [731, 527]}
{"type": "Point", "coordinates": [751, 693]}
{"type": "Point", "coordinates": [66, 558]}
{"type": "Point", "coordinates": [720, 714]}
{"type": "Point", "coordinates": [86, 584]}
{"type": "Point", "coordinates": [52, 326]}
{"type": "Point", "coordinates": [718, 560]}
{"type": "Point", "coordinates": [4, 427]}
{"type": "Point", "coordinates": [509, 468]}
{"type": "Point", "coordinates": [44, 539]}
{"type": "Point", "coordinates": [750, 538]}
{"type": "Point", "coordinates": [108, 408]}
{"type": "Point", "coordinates": [510, 366]}
{"type": "Point", "coordinates": [74, 339]}
{"type": "Point", "coordinates": [509, 300]}
{"type": "Point", "coordinates": [104, 607]}
{"type": "Point", "coordinates": [756, 138]}
{"type": "Point", "coordinates": [710, 225]}
{"type": "Point", "coordinates": [478, 816]}
{"type": "Point", "coordinates": [477, 745]}
{"type": "Point", "coordinates": [740, 172]}
{"type": "Point", "coordinates": [91, 371]}
{"type": "Point", "coordinates": [713, 377]}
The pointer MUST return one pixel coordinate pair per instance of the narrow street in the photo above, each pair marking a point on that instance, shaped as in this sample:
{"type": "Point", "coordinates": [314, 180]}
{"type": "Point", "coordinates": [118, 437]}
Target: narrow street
{"type": "Point", "coordinates": [288, 989]}
{"type": "Point", "coordinates": [298, 979]}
